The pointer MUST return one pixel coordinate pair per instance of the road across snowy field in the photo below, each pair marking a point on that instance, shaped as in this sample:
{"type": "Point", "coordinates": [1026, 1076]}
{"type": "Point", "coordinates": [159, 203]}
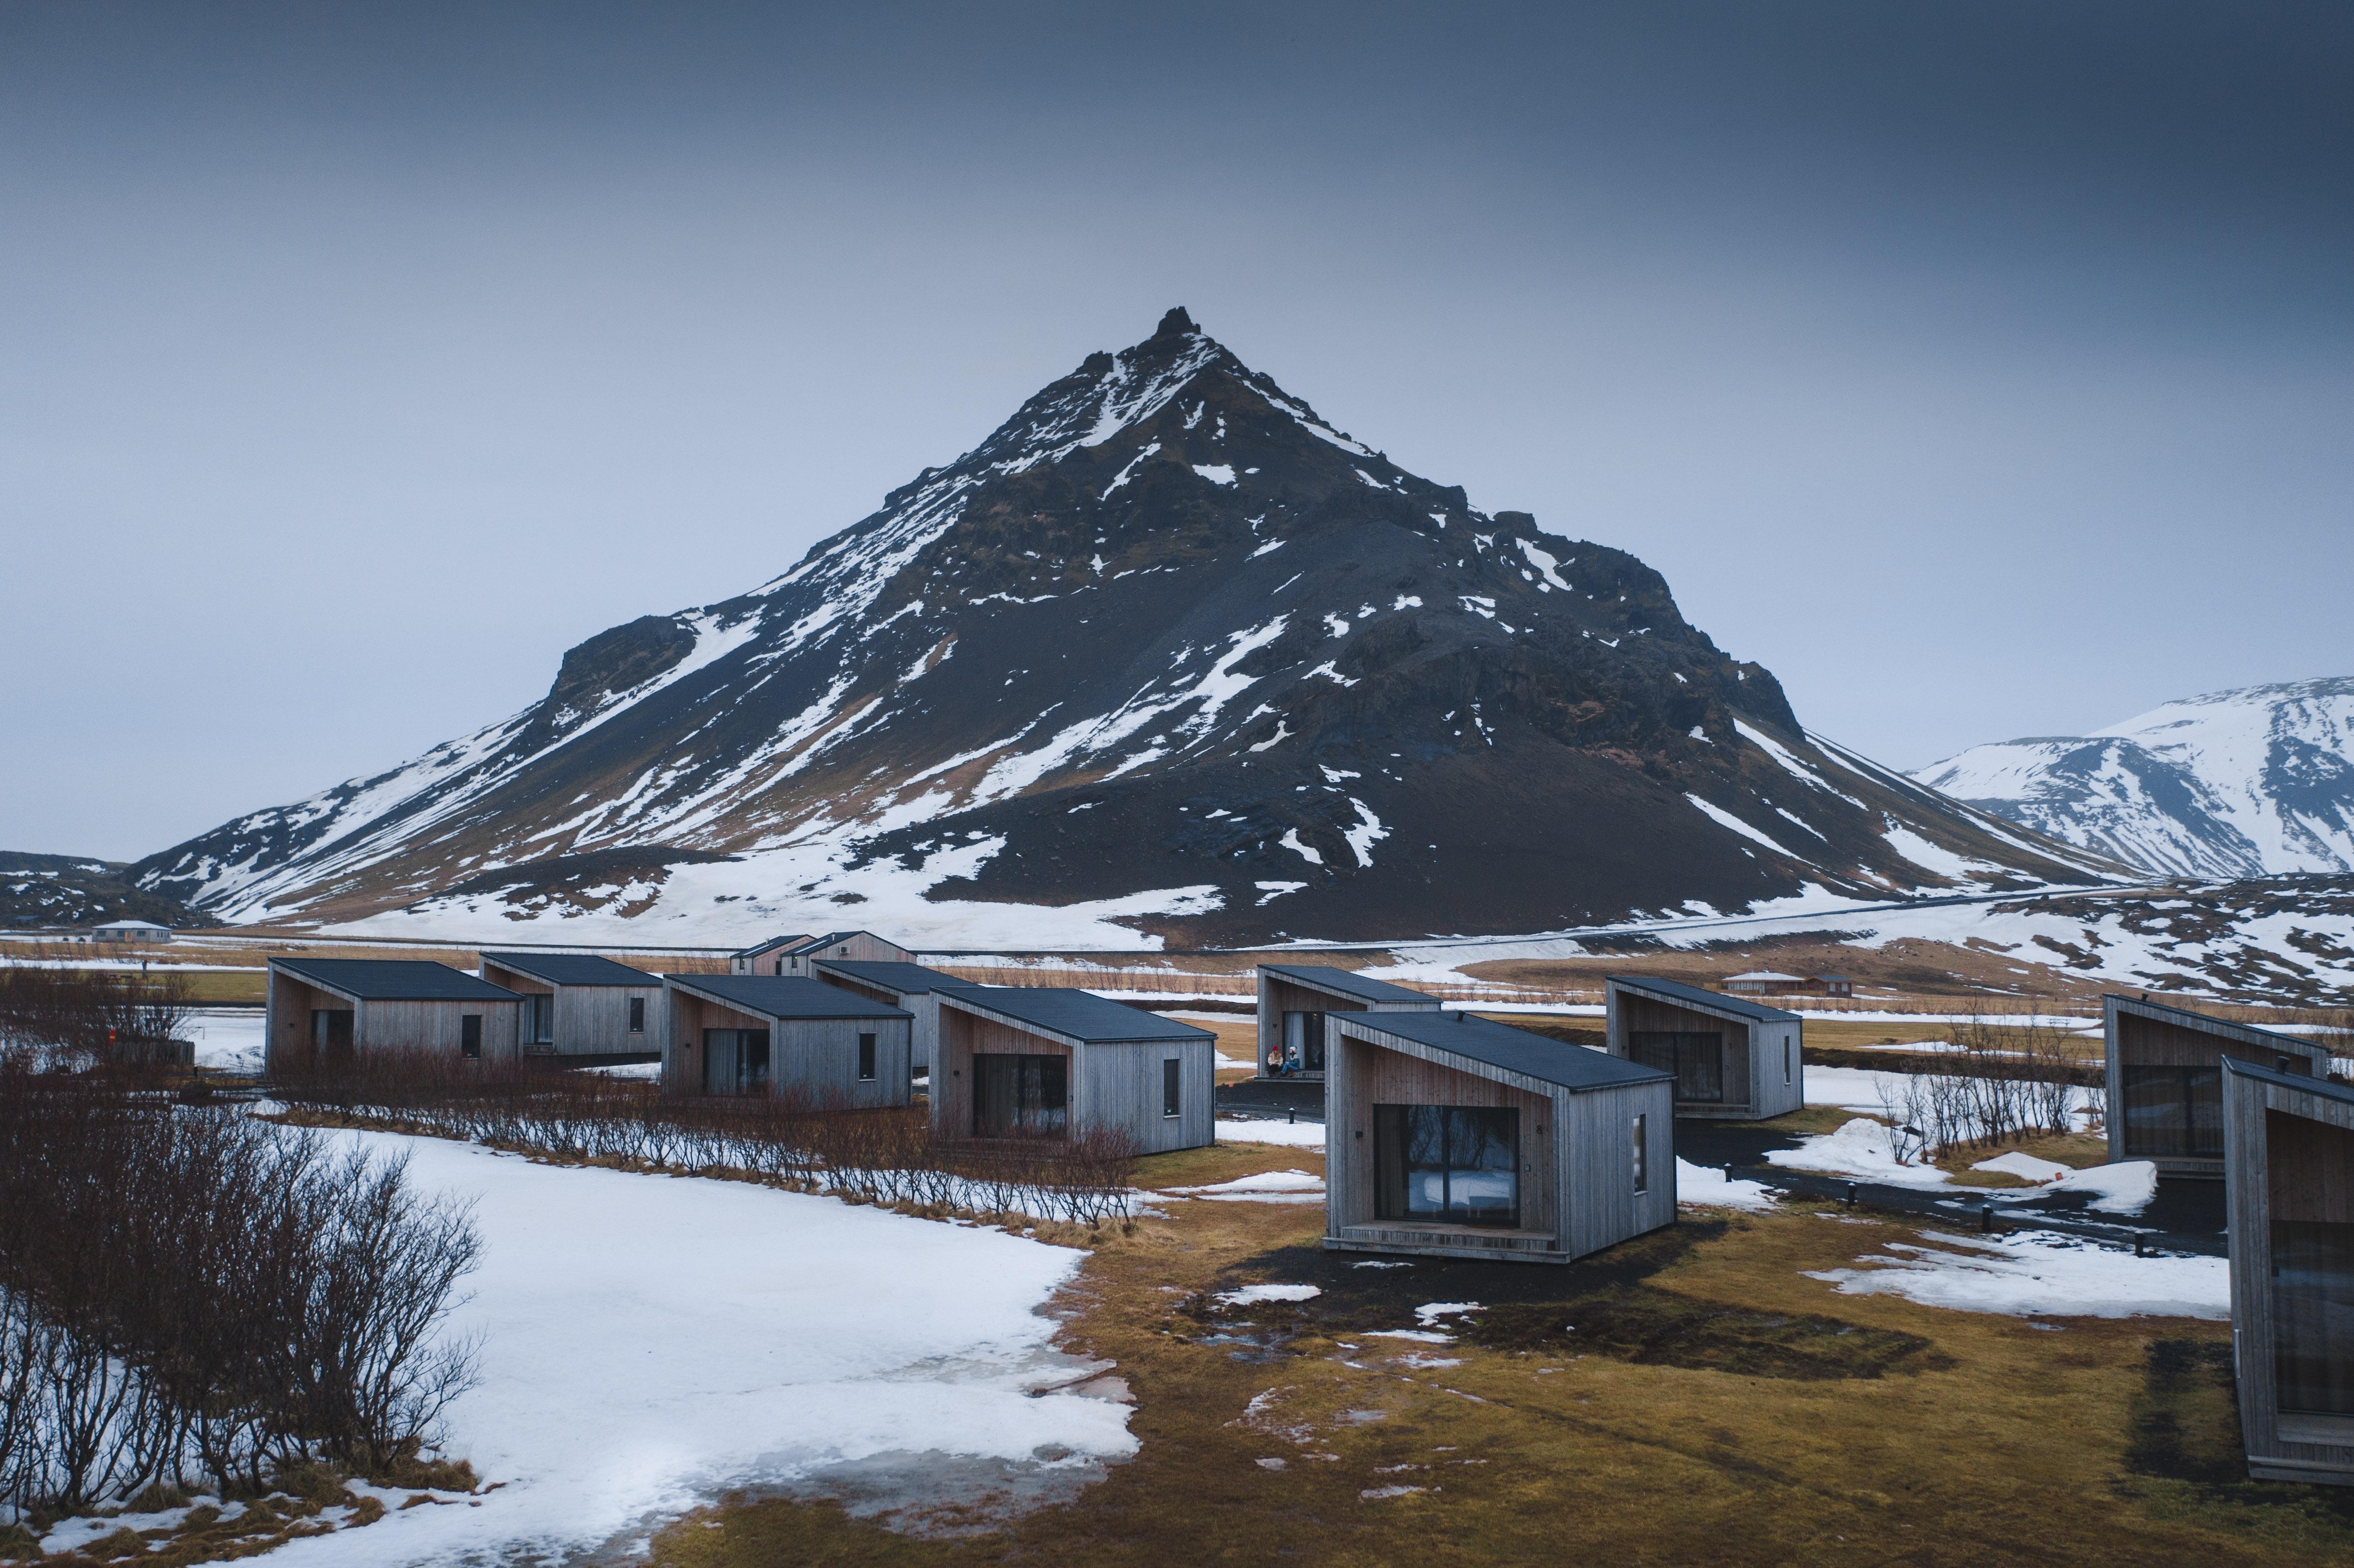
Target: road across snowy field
{"type": "Point", "coordinates": [648, 1342]}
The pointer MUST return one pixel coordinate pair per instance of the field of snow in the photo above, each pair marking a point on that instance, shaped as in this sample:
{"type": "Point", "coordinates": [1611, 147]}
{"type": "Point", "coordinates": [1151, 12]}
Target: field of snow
{"type": "Point", "coordinates": [228, 1039]}
{"type": "Point", "coordinates": [2040, 1274]}
{"type": "Point", "coordinates": [1292, 1135]}
{"type": "Point", "coordinates": [648, 1342]}
{"type": "Point", "coordinates": [1703, 1185]}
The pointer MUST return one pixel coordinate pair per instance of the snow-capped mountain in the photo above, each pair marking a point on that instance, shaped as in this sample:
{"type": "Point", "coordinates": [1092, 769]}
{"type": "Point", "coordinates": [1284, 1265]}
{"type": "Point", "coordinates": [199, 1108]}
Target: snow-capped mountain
{"type": "Point", "coordinates": [2255, 782]}
{"type": "Point", "coordinates": [1167, 654]}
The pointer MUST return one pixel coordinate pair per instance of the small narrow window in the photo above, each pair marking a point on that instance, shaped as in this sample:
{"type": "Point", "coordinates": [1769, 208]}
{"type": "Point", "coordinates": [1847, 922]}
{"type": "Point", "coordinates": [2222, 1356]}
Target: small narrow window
{"type": "Point", "coordinates": [780, 966]}
{"type": "Point", "coordinates": [1642, 1154]}
{"type": "Point", "coordinates": [1786, 1058]}
{"type": "Point", "coordinates": [866, 1058]}
{"type": "Point", "coordinates": [637, 1015]}
{"type": "Point", "coordinates": [1172, 1087]}
{"type": "Point", "coordinates": [469, 1036]}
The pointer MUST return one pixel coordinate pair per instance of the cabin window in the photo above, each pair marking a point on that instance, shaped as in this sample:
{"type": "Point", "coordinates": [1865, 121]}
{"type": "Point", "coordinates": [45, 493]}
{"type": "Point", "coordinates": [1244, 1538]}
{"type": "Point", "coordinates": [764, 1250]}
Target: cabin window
{"type": "Point", "coordinates": [1696, 1059]}
{"type": "Point", "coordinates": [1787, 1050]}
{"type": "Point", "coordinates": [1303, 1042]}
{"type": "Point", "coordinates": [866, 1058]}
{"type": "Point", "coordinates": [1172, 1087]}
{"type": "Point", "coordinates": [637, 1015]}
{"type": "Point", "coordinates": [2174, 1112]}
{"type": "Point", "coordinates": [1020, 1097]}
{"type": "Point", "coordinates": [2313, 1316]}
{"type": "Point", "coordinates": [469, 1036]}
{"type": "Point", "coordinates": [331, 1033]}
{"type": "Point", "coordinates": [780, 966]}
{"type": "Point", "coordinates": [735, 1061]}
{"type": "Point", "coordinates": [1642, 1154]}
{"type": "Point", "coordinates": [539, 1020]}
{"type": "Point", "coordinates": [1455, 1164]}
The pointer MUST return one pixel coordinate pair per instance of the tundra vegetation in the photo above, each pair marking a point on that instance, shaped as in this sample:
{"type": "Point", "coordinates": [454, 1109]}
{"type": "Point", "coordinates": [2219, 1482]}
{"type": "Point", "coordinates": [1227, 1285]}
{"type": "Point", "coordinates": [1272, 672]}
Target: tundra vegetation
{"type": "Point", "coordinates": [196, 1301]}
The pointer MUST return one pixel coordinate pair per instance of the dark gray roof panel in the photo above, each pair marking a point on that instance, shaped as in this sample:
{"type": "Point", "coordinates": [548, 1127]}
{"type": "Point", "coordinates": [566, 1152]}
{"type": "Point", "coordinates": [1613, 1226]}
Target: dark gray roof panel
{"type": "Point", "coordinates": [394, 979]}
{"type": "Point", "coordinates": [1080, 1014]}
{"type": "Point", "coordinates": [812, 944]}
{"type": "Point", "coordinates": [773, 943]}
{"type": "Point", "coordinates": [2247, 1033]}
{"type": "Point", "coordinates": [785, 996]}
{"type": "Point", "coordinates": [573, 968]}
{"type": "Point", "coordinates": [2326, 1088]}
{"type": "Point", "coordinates": [1501, 1045]}
{"type": "Point", "coordinates": [1349, 983]}
{"type": "Point", "coordinates": [1676, 991]}
{"type": "Point", "coordinates": [908, 980]}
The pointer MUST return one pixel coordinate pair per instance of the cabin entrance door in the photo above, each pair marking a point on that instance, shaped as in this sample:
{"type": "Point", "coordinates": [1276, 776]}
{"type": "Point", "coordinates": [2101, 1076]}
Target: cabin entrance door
{"type": "Point", "coordinates": [1452, 1164]}
{"type": "Point", "coordinates": [331, 1037]}
{"type": "Point", "coordinates": [1021, 1097]}
{"type": "Point", "coordinates": [1303, 1042]}
{"type": "Point", "coordinates": [735, 1061]}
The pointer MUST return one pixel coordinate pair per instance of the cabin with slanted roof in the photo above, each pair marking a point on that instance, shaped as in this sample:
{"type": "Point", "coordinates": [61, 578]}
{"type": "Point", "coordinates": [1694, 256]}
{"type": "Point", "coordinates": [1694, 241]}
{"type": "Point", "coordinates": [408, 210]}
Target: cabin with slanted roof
{"type": "Point", "coordinates": [2288, 1186]}
{"type": "Point", "coordinates": [2165, 1068]}
{"type": "Point", "coordinates": [1733, 1060]}
{"type": "Point", "coordinates": [791, 957]}
{"type": "Point", "coordinates": [765, 957]}
{"type": "Point", "coordinates": [326, 1014]}
{"type": "Point", "coordinates": [1450, 1136]}
{"type": "Point", "coordinates": [909, 986]}
{"type": "Point", "coordinates": [1293, 1002]}
{"type": "Point", "coordinates": [1045, 1062]}
{"type": "Point", "coordinates": [796, 1039]}
{"type": "Point", "coordinates": [581, 1011]}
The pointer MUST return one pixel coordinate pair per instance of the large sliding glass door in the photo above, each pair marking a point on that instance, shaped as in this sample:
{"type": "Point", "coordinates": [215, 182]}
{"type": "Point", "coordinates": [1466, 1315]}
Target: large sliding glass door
{"type": "Point", "coordinates": [1695, 1057]}
{"type": "Point", "coordinates": [1303, 1042]}
{"type": "Point", "coordinates": [1456, 1164]}
{"type": "Point", "coordinates": [735, 1061]}
{"type": "Point", "coordinates": [2174, 1112]}
{"type": "Point", "coordinates": [1021, 1097]}
{"type": "Point", "coordinates": [2313, 1316]}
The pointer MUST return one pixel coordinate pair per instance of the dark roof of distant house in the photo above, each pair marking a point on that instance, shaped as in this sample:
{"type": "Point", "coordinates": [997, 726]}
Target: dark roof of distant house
{"type": "Point", "coordinates": [796, 940]}
{"type": "Point", "coordinates": [1849, 980]}
{"type": "Point", "coordinates": [573, 968]}
{"type": "Point", "coordinates": [2317, 1085]}
{"type": "Point", "coordinates": [785, 996]}
{"type": "Point", "coordinates": [812, 944]}
{"type": "Point", "coordinates": [393, 979]}
{"type": "Point", "coordinates": [2248, 1033]}
{"type": "Point", "coordinates": [1676, 991]}
{"type": "Point", "coordinates": [908, 980]}
{"type": "Point", "coordinates": [1080, 1014]}
{"type": "Point", "coordinates": [1350, 983]}
{"type": "Point", "coordinates": [1501, 1045]}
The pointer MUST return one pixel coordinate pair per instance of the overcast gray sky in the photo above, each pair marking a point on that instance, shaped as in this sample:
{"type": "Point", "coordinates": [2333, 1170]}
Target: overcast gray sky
{"type": "Point", "coordinates": [1984, 370]}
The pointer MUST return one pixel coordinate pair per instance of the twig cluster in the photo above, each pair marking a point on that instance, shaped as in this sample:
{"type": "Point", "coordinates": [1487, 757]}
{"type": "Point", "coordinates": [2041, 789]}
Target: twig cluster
{"type": "Point", "coordinates": [2003, 1082]}
{"type": "Point", "coordinates": [888, 1157]}
{"type": "Point", "coordinates": [80, 1017]}
{"type": "Point", "coordinates": [191, 1294]}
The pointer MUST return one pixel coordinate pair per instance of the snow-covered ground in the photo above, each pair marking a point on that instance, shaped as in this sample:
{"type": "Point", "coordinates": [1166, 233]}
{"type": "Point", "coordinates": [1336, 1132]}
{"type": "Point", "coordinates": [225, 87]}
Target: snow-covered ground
{"type": "Point", "coordinates": [648, 1342]}
{"type": "Point", "coordinates": [1292, 1135]}
{"type": "Point", "coordinates": [1267, 1187]}
{"type": "Point", "coordinates": [2039, 1274]}
{"type": "Point", "coordinates": [1704, 1185]}
{"type": "Point", "coordinates": [228, 1039]}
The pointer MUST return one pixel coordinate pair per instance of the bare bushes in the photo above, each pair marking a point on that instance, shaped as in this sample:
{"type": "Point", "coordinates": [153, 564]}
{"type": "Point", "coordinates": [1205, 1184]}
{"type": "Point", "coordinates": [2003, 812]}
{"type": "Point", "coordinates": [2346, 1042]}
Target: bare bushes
{"type": "Point", "coordinates": [886, 1156]}
{"type": "Point", "coordinates": [80, 1017]}
{"type": "Point", "coordinates": [188, 1294]}
{"type": "Point", "coordinates": [2001, 1084]}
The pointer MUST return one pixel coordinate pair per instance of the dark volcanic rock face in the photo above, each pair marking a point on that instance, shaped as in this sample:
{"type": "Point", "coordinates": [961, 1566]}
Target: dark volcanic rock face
{"type": "Point", "coordinates": [55, 890]}
{"type": "Point", "coordinates": [1166, 637]}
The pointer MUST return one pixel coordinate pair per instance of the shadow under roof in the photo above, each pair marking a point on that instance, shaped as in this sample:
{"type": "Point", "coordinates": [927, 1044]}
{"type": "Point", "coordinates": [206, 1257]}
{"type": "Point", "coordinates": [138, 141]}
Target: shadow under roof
{"type": "Point", "coordinates": [1347, 982]}
{"type": "Point", "coordinates": [1501, 1045]}
{"type": "Point", "coordinates": [2246, 1033]}
{"type": "Point", "coordinates": [573, 968]}
{"type": "Point", "coordinates": [785, 996]}
{"type": "Point", "coordinates": [2326, 1088]}
{"type": "Point", "coordinates": [908, 980]}
{"type": "Point", "coordinates": [394, 979]}
{"type": "Point", "coordinates": [1676, 991]}
{"type": "Point", "coordinates": [1082, 1016]}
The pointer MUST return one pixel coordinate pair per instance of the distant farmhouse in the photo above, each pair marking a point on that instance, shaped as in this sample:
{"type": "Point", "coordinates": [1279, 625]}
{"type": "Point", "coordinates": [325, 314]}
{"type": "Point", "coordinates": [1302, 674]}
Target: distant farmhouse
{"type": "Point", "coordinates": [1450, 1136]}
{"type": "Point", "coordinates": [2289, 1191]}
{"type": "Point", "coordinates": [790, 956]}
{"type": "Point", "coordinates": [1293, 1002]}
{"type": "Point", "coordinates": [1733, 1060]}
{"type": "Point", "coordinates": [582, 1009]}
{"type": "Point", "coordinates": [1773, 982]}
{"type": "Point", "coordinates": [127, 931]}
{"type": "Point", "coordinates": [2165, 1067]}
{"type": "Point", "coordinates": [334, 1014]}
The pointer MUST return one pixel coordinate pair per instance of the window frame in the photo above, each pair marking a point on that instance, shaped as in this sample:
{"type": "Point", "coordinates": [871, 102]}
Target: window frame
{"type": "Point", "coordinates": [1172, 1087]}
{"type": "Point", "coordinates": [637, 1015]}
{"type": "Point", "coordinates": [469, 1036]}
{"type": "Point", "coordinates": [867, 1054]}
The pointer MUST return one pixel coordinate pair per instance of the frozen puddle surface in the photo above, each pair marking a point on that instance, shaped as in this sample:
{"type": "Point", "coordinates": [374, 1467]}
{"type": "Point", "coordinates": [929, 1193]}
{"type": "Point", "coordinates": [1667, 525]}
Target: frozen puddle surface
{"type": "Point", "coordinates": [649, 1342]}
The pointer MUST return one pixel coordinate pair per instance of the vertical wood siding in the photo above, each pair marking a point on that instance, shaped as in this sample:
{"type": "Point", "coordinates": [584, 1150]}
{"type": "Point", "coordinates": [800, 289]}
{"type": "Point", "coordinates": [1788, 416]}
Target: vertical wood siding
{"type": "Point", "coordinates": [435, 1028]}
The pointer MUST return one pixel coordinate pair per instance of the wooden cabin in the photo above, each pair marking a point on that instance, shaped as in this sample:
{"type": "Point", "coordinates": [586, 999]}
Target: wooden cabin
{"type": "Point", "coordinates": [1293, 999]}
{"type": "Point", "coordinates": [790, 957]}
{"type": "Point", "coordinates": [580, 1010]}
{"type": "Point", "coordinates": [130, 931]}
{"type": "Point", "coordinates": [766, 958]}
{"type": "Point", "coordinates": [774, 1034]}
{"type": "Point", "coordinates": [1733, 1060]}
{"type": "Point", "coordinates": [2289, 1191]}
{"type": "Point", "coordinates": [1835, 985]}
{"type": "Point", "coordinates": [2165, 1080]}
{"type": "Point", "coordinates": [1042, 1061]}
{"type": "Point", "coordinates": [1450, 1136]}
{"type": "Point", "coordinates": [909, 986]}
{"type": "Point", "coordinates": [325, 1013]}
{"type": "Point", "coordinates": [1765, 983]}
